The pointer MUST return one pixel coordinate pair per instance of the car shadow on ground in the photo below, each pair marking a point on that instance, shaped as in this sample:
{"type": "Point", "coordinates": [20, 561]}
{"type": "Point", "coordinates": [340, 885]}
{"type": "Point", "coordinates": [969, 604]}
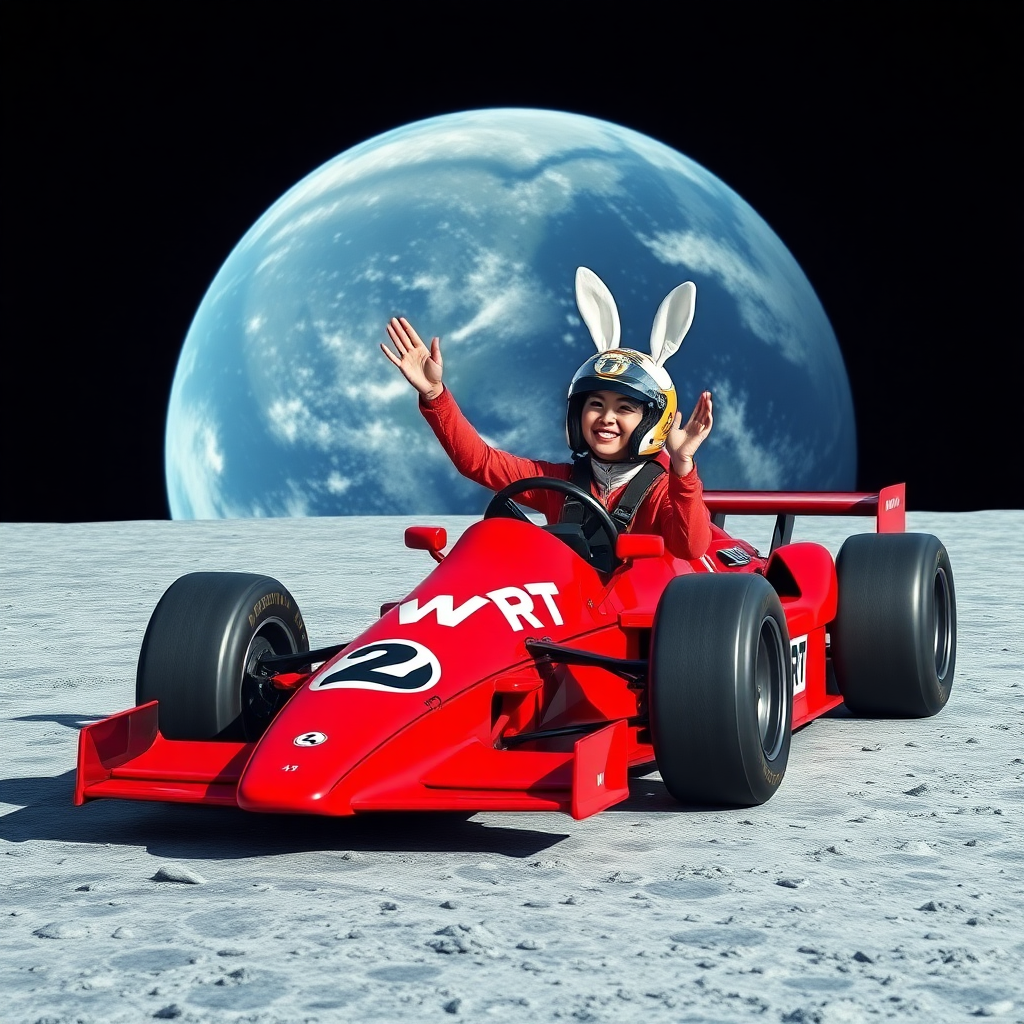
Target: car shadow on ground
{"type": "Point", "coordinates": [651, 796]}
{"type": "Point", "coordinates": [75, 722]}
{"type": "Point", "coordinates": [46, 813]}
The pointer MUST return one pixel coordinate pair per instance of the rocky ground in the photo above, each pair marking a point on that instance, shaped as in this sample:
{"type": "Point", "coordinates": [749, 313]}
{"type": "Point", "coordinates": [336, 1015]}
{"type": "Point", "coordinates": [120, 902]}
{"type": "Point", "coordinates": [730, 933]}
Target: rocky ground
{"type": "Point", "coordinates": [884, 880]}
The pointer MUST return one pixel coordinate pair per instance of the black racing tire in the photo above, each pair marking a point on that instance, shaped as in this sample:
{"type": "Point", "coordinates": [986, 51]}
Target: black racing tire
{"type": "Point", "coordinates": [203, 636]}
{"type": "Point", "coordinates": [893, 641]}
{"type": "Point", "coordinates": [720, 691]}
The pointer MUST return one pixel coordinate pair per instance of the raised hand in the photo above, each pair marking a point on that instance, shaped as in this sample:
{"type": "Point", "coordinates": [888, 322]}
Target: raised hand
{"type": "Point", "coordinates": [421, 366]}
{"type": "Point", "coordinates": [685, 438]}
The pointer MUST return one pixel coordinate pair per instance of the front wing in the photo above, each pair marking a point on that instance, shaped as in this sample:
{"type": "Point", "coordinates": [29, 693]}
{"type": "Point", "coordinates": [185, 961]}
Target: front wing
{"type": "Point", "coordinates": [126, 757]}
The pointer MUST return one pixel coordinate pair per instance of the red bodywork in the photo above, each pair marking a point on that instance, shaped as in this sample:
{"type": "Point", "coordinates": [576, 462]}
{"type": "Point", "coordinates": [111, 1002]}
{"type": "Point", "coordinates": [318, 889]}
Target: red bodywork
{"type": "Point", "coordinates": [449, 741]}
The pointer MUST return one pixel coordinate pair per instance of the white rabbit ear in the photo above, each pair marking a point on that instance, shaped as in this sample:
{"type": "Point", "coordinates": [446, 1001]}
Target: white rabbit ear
{"type": "Point", "coordinates": [597, 307]}
{"type": "Point", "coordinates": [673, 319]}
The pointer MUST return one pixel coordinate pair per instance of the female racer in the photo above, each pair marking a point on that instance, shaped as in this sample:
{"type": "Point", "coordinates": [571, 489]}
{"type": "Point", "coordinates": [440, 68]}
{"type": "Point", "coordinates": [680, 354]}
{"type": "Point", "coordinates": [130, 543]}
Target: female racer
{"type": "Point", "coordinates": [621, 416]}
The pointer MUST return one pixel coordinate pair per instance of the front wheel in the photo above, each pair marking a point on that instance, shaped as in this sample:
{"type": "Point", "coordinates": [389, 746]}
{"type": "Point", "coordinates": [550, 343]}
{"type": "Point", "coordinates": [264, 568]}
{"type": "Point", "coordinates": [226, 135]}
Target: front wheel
{"type": "Point", "coordinates": [202, 642]}
{"type": "Point", "coordinates": [893, 641]}
{"type": "Point", "coordinates": [721, 690]}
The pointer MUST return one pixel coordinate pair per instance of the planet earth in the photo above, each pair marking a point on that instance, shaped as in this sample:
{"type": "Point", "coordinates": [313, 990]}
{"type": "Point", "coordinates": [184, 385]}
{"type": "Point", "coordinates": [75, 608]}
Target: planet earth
{"type": "Point", "coordinates": [472, 226]}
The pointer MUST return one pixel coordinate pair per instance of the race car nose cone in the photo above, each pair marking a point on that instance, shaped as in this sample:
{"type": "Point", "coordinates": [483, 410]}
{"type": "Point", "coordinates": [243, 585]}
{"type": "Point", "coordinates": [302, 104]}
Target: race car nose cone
{"type": "Point", "coordinates": [294, 772]}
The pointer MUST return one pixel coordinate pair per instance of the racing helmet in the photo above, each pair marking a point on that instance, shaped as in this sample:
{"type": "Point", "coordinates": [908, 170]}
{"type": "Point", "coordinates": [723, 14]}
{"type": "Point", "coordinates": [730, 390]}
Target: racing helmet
{"type": "Point", "coordinates": [637, 376]}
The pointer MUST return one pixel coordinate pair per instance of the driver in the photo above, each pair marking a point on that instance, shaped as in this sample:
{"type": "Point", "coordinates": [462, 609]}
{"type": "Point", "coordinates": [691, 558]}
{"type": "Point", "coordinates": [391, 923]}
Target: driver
{"type": "Point", "coordinates": [621, 422]}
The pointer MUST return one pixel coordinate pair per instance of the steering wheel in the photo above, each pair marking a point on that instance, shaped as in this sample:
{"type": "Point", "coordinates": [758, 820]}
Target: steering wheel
{"type": "Point", "coordinates": [501, 505]}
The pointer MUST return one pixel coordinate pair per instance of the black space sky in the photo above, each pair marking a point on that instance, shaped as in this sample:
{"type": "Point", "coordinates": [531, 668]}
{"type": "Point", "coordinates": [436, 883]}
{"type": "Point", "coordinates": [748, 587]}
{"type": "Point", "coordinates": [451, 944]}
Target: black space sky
{"type": "Point", "coordinates": [881, 142]}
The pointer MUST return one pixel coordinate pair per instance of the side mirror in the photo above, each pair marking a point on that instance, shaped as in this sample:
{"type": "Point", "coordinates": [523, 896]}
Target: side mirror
{"type": "Point", "coordinates": [427, 538]}
{"type": "Point", "coordinates": [639, 545]}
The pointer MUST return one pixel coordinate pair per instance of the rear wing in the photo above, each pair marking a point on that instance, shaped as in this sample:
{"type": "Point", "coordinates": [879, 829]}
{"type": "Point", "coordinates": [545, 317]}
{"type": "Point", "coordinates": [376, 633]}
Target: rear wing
{"type": "Point", "coordinates": [888, 506]}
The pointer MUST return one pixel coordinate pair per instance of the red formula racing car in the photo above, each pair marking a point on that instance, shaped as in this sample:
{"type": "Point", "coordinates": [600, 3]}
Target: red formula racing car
{"type": "Point", "coordinates": [534, 666]}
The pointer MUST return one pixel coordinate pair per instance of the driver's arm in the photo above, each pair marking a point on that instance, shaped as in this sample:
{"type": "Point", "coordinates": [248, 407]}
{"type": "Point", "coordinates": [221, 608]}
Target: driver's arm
{"type": "Point", "coordinates": [675, 509]}
{"type": "Point", "coordinates": [482, 464]}
{"type": "Point", "coordinates": [685, 520]}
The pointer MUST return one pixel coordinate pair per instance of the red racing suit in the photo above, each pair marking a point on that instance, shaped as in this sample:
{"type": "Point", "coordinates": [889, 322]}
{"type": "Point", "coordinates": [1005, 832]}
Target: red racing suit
{"type": "Point", "coordinates": [673, 507]}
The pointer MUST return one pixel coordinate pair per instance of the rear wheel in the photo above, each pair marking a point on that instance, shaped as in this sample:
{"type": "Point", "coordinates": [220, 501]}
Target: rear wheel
{"type": "Point", "coordinates": [721, 689]}
{"type": "Point", "coordinates": [203, 639]}
{"type": "Point", "coordinates": [893, 642]}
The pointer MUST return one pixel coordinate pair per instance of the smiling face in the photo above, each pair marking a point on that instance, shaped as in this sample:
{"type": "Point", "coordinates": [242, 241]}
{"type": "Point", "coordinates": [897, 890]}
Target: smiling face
{"type": "Point", "coordinates": [608, 422]}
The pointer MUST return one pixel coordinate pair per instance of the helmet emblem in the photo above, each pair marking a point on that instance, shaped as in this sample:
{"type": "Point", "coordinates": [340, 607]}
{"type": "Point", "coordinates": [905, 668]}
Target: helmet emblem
{"type": "Point", "coordinates": [611, 364]}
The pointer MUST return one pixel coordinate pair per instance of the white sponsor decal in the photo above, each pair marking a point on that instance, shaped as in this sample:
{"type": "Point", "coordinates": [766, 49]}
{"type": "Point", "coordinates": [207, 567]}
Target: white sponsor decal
{"type": "Point", "coordinates": [443, 607]}
{"type": "Point", "coordinates": [798, 652]}
{"type": "Point", "coordinates": [402, 666]}
{"type": "Point", "coordinates": [308, 739]}
{"type": "Point", "coordinates": [891, 503]}
{"type": "Point", "coordinates": [517, 605]}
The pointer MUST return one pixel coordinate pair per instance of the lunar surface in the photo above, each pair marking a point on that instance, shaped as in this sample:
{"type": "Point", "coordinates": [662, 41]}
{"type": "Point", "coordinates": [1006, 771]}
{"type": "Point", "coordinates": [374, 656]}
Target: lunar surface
{"type": "Point", "coordinates": [883, 881]}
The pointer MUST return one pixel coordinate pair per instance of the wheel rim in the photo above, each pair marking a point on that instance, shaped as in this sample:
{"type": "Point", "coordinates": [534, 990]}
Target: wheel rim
{"type": "Point", "coordinates": [261, 700]}
{"type": "Point", "coordinates": [942, 636]}
{"type": "Point", "coordinates": [772, 689]}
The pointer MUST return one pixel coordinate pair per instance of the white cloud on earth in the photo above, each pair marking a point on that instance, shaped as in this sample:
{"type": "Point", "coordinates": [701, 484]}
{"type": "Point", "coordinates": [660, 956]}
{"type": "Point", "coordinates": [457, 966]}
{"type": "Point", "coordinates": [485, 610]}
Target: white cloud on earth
{"type": "Point", "coordinates": [296, 504]}
{"type": "Point", "coordinates": [195, 462]}
{"type": "Point", "coordinates": [766, 301]}
{"type": "Point", "coordinates": [428, 282]}
{"type": "Point", "coordinates": [290, 420]}
{"type": "Point", "coordinates": [657, 154]}
{"type": "Point", "coordinates": [554, 190]}
{"type": "Point", "coordinates": [494, 314]}
{"type": "Point", "coordinates": [337, 484]}
{"type": "Point", "coordinates": [315, 215]}
{"type": "Point", "coordinates": [213, 457]}
{"type": "Point", "coordinates": [393, 390]}
{"type": "Point", "coordinates": [497, 295]}
{"type": "Point", "coordinates": [272, 258]}
{"type": "Point", "coordinates": [378, 435]}
{"type": "Point", "coordinates": [505, 299]}
{"type": "Point", "coordinates": [758, 458]}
